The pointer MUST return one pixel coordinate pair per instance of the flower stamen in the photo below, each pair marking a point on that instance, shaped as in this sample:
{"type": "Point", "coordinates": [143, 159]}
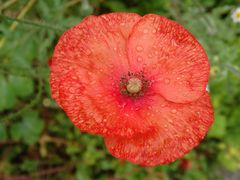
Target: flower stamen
{"type": "Point", "coordinates": [133, 84]}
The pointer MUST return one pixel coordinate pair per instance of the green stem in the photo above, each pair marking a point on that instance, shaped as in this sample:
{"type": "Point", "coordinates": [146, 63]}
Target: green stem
{"type": "Point", "coordinates": [233, 69]}
{"type": "Point", "coordinates": [45, 26]}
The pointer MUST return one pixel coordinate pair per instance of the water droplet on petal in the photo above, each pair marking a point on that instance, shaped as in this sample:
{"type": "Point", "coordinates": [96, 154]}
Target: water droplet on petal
{"type": "Point", "coordinates": [145, 31]}
{"type": "Point", "coordinates": [150, 55]}
{"type": "Point", "coordinates": [154, 31]}
{"type": "Point", "coordinates": [170, 121]}
{"type": "Point", "coordinates": [98, 120]}
{"type": "Point", "coordinates": [139, 59]}
{"type": "Point", "coordinates": [190, 62]}
{"type": "Point", "coordinates": [139, 48]}
{"type": "Point", "coordinates": [129, 131]}
{"type": "Point", "coordinates": [71, 90]}
{"type": "Point", "coordinates": [123, 105]}
{"type": "Point", "coordinates": [88, 52]}
{"type": "Point", "coordinates": [91, 114]}
{"type": "Point", "coordinates": [126, 114]}
{"type": "Point", "coordinates": [173, 111]}
{"type": "Point", "coordinates": [81, 120]}
{"type": "Point", "coordinates": [137, 108]}
{"type": "Point", "coordinates": [115, 49]}
{"type": "Point", "coordinates": [111, 65]}
{"type": "Point", "coordinates": [149, 107]}
{"type": "Point", "coordinates": [93, 82]}
{"type": "Point", "coordinates": [167, 81]}
{"type": "Point", "coordinates": [154, 66]}
{"type": "Point", "coordinates": [99, 95]}
{"type": "Point", "coordinates": [74, 77]}
{"type": "Point", "coordinates": [110, 23]}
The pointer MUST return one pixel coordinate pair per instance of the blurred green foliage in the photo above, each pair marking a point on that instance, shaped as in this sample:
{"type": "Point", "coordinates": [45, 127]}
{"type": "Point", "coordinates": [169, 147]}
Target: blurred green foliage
{"type": "Point", "coordinates": [36, 138]}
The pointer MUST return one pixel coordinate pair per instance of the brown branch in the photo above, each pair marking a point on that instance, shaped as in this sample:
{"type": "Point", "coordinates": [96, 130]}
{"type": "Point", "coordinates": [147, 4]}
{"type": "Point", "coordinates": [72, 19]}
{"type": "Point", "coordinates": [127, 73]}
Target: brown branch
{"type": "Point", "coordinates": [56, 140]}
{"type": "Point", "coordinates": [15, 177]}
{"type": "Point", "coordinates": [54, 170]}
{"type": "Point", "coordinates": [10, 142]}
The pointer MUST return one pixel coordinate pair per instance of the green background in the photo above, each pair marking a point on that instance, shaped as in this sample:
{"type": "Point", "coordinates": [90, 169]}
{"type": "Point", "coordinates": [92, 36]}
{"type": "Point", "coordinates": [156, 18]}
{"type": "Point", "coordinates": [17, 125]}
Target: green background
{"type": "Point", "coordinates": [37, 141]}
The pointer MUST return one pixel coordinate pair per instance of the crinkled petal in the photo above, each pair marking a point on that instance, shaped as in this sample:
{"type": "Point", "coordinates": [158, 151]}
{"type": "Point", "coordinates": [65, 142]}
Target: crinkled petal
{"type": "Point", "coordinates": [121, 22]}
{"type": "Point", "coordinates": [86, 67]}
{"type": "Point", "coordinates": [181, 128]}
{"type": "Point", "coordinates": [172, 55]}
{"type": "Point", "coordinates": [95, 108]}
{"type": "Point", "coordinates": [96, 44]}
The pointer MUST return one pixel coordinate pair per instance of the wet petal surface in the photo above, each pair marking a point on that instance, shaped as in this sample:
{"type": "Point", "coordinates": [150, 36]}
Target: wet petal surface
{"type": "Point", "coordinates": [97, 44]}
{"type": "Point", "coordinates": [172, 55]}
{"type": "Point", "coordinates": [99, 108]}
{"type": "Point", "coordinates": [92, 62]}
{"type": "Point", "coordinates": [180, 129]}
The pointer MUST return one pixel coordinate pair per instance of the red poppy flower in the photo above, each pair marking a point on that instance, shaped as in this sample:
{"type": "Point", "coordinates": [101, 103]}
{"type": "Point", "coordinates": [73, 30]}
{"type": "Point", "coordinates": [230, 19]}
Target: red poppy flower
{"type": "Point", "coordinates": [138, 81]}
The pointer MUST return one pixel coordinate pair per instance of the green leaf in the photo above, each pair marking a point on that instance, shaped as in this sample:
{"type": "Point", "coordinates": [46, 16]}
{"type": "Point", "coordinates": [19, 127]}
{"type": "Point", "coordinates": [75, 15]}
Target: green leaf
{"type": "Point", "coordinates": [82, 173]}
{"type": "Point", "coordinates": [3, 132]}
{"type": "Point", "coordinates": [29, 129]}
{"type": "Point", "coordinates": [116, 6]}
{"type": "Point", "coordinates": [72, 149]}
{"type": "Point", "coordinates": [218, 129]}
{"type": "Point", "coordinates": [22, 86]}
{"type": "Point", "coordinates": [8, 98]}
{"type": "Point", "coordinates": [29, 165]}
{"type": "Point", "coordinates": [229, 161]}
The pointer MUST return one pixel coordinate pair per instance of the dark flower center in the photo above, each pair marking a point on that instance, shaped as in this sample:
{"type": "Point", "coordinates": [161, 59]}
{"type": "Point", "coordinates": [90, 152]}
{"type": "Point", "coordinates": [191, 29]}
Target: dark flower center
{"type": "Point", "coordinates": [133, 84]}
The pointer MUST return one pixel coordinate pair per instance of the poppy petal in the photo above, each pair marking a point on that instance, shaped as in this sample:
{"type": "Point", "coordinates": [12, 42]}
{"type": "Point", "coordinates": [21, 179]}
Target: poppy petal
{"type": "Point", "coordinates": [88, 61]}
{"type": "Point", "coordinates": [172, 55]}
{"type": "Point", "coordinates": [93, 107]}
{"type": "Point", "coordinates": [122, 22]}
{"type": "Point", "coordinates": [96, 44]}
{"type": "Point", "coordinates": [181, 128]}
